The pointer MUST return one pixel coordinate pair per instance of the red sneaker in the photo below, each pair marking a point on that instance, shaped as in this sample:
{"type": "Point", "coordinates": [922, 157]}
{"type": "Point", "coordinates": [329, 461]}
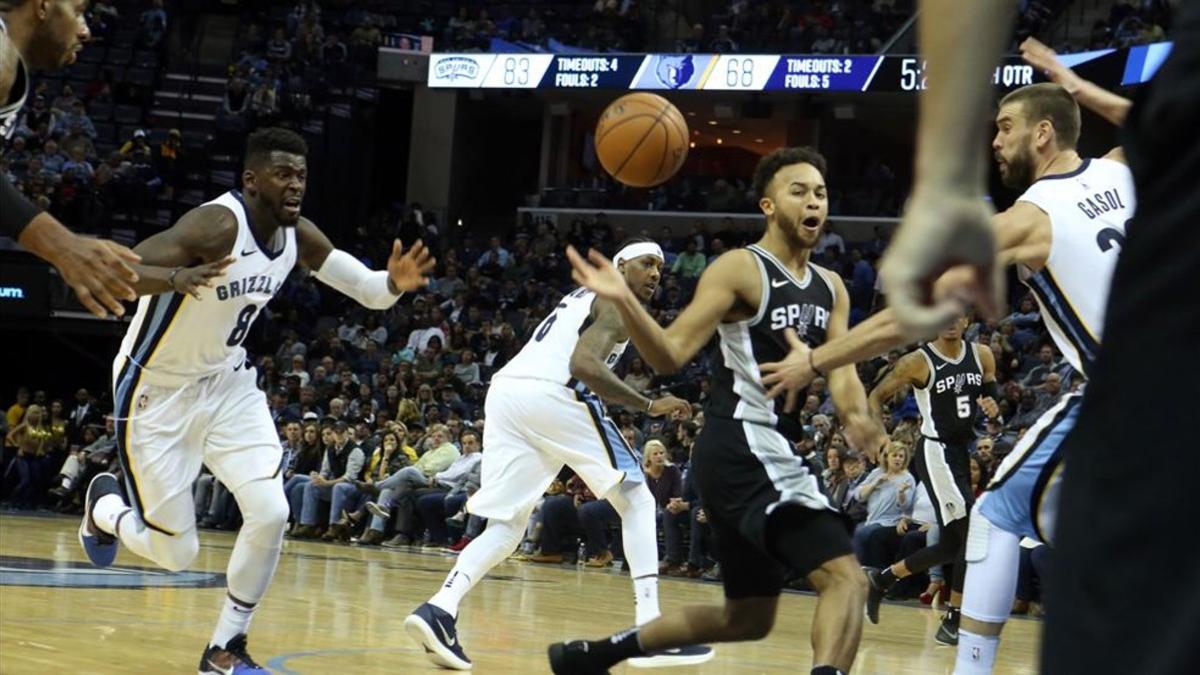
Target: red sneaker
{"type": "Point", "coordinates": [459, 545]}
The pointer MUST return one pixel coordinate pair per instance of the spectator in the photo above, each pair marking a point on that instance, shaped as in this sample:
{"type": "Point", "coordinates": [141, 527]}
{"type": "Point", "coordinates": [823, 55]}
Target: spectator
{"type": "Point", "coordinates": [888, 494]}
{"type": "Point", "coordinates": [153, 25]}
{"type": "Point", "coordinates": [32, 438]}
{"type": "Point", "coordinates": [450, 489]}
{"type": "Point", "coordinates": [97, 452]}
{"type": "Point", "coordinates": [1047, 363]}
{"type": "Point", "coordinates": [421, 474]}
{"type": "Point", "coordinates": [78, 167]}
{"type": "Point", "coordinates": [343, 463]}
{"type": "Point", "coordinates": [137, 143]}
{"type": "Point", "coordinates": [65, 101]}
{"type": "Point", "coordinates": [830, 239]}
{"type": "Point", "coordinates": [494, 260]}
{"type": "Point", "coordinates": [639, 377]}
{"type": "Point", "coordinates": [65, 123]}
{"type": "Point", "coordinates": [691, 263]}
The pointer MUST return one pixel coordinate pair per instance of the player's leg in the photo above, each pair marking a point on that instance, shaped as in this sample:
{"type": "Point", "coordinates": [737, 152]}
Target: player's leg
{"type": "Point", "coordinates": [244, 454]}
{"type": "Point", "coordinates": [993, 560]}
{"type": "Point", "coordinates": [159, 450]}
{"type": "Point", "coordinates": [1007, 512]}
{"type": "Point", "coordinates": [944, 471]}
{"type": "Point", "coordinates": [513, 477]}
{"type": "Point", "coordinates": [752, 582]}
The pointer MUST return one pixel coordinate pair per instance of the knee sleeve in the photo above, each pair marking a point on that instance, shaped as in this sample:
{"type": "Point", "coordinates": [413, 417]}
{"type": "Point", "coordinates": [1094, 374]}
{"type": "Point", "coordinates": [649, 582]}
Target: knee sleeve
{"type": "Point", "coordinates": [174, 553]}
{"type": "Point", "coordinates": [264, 507]}
{"type": "Point", "coordinates": [632, 498]}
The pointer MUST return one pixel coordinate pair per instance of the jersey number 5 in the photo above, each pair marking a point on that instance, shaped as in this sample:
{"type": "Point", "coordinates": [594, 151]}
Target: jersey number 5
{"type": "Point", "coordinates": [242, 327]}
{"type": "Point", "coordinates": [963, 404]}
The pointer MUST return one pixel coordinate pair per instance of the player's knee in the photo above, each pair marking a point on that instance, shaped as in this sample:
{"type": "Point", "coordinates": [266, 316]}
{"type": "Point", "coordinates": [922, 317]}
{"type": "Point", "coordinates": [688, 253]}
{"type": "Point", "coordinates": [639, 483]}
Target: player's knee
{"type": "Point", "coordinates": [264, 507]}
{"type": "Point", "coordinates": [176, 553]}
{"type": "Point", "coordinates": [841, 575]}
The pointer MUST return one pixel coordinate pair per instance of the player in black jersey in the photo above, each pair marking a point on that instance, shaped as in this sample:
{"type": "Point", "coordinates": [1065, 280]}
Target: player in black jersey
{"type": "Point", "coordinates": [952, 380]}
{"type": "Point", "coordinates": [766, 509]}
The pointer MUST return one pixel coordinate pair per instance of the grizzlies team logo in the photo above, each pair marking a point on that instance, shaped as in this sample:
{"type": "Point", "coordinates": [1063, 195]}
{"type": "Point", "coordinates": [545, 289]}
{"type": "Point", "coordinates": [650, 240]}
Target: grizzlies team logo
{"type": "Point", "coordinates": [38, 572]}
{"type": "Point", "coordinates": [674, 71]}
{"type": "Point", "coordinates": [142, 401]}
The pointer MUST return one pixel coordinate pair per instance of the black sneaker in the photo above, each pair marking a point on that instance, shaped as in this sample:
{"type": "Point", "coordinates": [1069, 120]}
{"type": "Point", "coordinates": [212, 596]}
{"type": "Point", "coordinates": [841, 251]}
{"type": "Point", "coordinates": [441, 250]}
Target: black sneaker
{"type": "Point", "coordinates": [242, 662]}
{"type": "Point", "coordinates": [100, 546]}
{"type": "Point", "coordinates": [435, 631]}
{"type": "Point", "coordinates": [875, 593]}
{"type": "Point", "coordinates": [947, 632]}
{"type": "Point", "coordinates": [572, 658]}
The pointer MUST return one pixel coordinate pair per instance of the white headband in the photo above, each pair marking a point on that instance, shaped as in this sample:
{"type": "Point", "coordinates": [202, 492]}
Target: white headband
{"type": "Point", "coordinates": [638, 250]}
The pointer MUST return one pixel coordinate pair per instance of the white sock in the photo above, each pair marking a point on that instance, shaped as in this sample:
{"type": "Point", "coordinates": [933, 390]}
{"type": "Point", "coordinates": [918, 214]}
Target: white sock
{"type": "Point", "coordinates": [645, 599]}
{"type": "Point", "coordinates": [234, 620]}
{"type": "Point", "coordinates": [976, 653]}
{"type": "Point", "coordinates": [483, 553]}
{"type": "Point", "coordinates": [108, 509]}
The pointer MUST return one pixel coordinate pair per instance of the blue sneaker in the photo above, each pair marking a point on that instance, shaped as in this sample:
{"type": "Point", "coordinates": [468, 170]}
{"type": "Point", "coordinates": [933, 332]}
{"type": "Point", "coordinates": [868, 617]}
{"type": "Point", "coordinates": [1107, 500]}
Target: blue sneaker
{"type": "Point", "coordinates": [679, 656]}
{"type": "Point", "coordinates": [434, 629]}
{"type": "Point", "coordinates": [236, 657]}
{"type": "Point", "coordinates": [100, 546]}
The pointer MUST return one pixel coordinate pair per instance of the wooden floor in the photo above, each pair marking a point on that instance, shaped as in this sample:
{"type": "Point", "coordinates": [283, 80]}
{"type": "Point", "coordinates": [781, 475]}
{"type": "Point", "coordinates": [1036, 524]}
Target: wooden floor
{"type": "Point", "coordinates": [338, 609]}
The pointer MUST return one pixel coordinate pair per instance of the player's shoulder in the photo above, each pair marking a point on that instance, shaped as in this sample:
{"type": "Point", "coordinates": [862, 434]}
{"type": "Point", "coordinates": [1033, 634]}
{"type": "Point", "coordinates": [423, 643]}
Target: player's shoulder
{"type": "Point", "coordinates": [214, 220]}
{"type": "Point", "coordinates": [831, 278]}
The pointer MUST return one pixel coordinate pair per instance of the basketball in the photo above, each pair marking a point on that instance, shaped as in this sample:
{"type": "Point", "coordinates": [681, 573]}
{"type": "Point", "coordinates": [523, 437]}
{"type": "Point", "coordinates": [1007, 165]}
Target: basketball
{"type": "Point", "coordinates": [641, 139]}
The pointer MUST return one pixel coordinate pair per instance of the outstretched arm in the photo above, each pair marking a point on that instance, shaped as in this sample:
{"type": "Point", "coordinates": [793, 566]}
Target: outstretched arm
{"type": "Point", "coordinates": [344, 273]}
{"type": "Point", "coordinates": [849, 395]}
{"type": "Point", "coordinates": [1110, 106]}
{"type": "Point", "coordinates": [187, 255]}
{"type": "Point", "coordinates": [667, 350]}
{"type": "Point", "coordinates": [588, 365]}
{"type": "Point", "coordinates": [911, 370]}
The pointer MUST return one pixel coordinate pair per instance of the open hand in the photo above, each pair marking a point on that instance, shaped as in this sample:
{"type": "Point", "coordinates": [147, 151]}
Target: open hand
{"type": "Point", "coordinates": [98, 271]}
{"type": "Point", "coordinates": [410, 271]}
{"type": "Point", "coordinates": [190, 280]}
{"type": "Point", "coordinates": [791, 374]}
{"type": "Point", "coordinates": [597, 274]}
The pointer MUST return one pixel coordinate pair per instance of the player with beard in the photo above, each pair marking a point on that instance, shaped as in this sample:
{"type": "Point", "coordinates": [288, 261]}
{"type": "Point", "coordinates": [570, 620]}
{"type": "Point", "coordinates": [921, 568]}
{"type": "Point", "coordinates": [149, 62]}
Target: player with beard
{"type": "Point", "coordinates": [185, 394]}
{"type": "Point", "coordinates": [1064, 233]}
{"type": "Point", "coordinates": [769, 516]}
{"type": "Point", "coordinates": [44, 35]}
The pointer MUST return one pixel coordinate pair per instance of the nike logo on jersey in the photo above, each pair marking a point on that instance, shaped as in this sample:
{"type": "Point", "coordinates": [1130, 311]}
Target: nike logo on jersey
{"type": "Point", "coordinates": [940, 366]}
{"type": "Point", "coordinates": [450, 642]}
{"type": "Point", "coordinates": [779, 283]}
{"type": "Point", "coordinates": [250, 252]}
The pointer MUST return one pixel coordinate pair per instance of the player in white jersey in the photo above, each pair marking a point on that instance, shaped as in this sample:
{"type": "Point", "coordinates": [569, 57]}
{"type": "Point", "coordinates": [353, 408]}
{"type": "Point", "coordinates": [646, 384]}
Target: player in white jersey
{"type": "Point", "coordinates": [185, 393]}
{"type": "Point", "coordinates": [544, 409]}
{"type": "Point", "coordinates": [1064, 234]}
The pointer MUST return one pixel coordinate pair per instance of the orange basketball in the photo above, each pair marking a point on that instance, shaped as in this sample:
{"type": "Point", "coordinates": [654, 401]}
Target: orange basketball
{"type": "Point", "coordinates": [641, 139]}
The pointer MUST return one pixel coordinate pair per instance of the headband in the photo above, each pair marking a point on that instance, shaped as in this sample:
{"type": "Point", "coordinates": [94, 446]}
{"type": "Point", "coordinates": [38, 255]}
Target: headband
{"type": "Point", "coordinates": [638, 250]}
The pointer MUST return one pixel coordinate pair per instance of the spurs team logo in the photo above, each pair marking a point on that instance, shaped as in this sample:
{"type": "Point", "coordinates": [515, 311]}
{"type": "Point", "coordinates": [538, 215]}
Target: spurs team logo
{"type": "Point", "coordinates": [957, 382]}
{"type": "Point", "coordinates": [799, 317]}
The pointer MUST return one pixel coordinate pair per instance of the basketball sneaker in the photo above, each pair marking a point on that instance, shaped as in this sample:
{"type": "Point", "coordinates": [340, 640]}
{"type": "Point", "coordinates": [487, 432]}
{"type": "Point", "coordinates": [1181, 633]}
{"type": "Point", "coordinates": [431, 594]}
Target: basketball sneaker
{"type": "Point", "coordinates": [679, 656]}
{"type": "Point", "coordinates": [434, 629]}
{"type": "Point", "coordinates": [875, 592]}
{"type": "Point", "coordinates": [573, 658]}
{"type": "Point", "coordinates": [100, 546]}
{"type": "Point", "coordinates": [236, 659]}
{"type": "Point", "coordinates": [947, 633]}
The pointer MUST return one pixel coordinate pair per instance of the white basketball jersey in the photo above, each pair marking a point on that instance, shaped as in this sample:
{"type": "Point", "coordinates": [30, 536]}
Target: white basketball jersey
{"type": "Point", "coordinates": [1088, 209]}
{"type": "Point", "coordinates": [547, 355]}
{"type": "Point", "coordinates": [178, 335]}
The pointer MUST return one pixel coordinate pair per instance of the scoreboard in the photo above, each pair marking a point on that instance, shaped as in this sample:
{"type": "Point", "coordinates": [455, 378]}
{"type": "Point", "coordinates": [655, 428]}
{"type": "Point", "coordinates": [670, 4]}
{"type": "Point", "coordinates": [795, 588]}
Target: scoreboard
{"type": "Point", "coordinates": [758, 72]}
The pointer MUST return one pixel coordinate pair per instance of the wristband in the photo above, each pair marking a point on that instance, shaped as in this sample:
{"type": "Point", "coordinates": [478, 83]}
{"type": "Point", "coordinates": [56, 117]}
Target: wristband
{"type": "Point", "coordinates": [649, 405]}
{"type": "Point", "coordinates": [171, 279]}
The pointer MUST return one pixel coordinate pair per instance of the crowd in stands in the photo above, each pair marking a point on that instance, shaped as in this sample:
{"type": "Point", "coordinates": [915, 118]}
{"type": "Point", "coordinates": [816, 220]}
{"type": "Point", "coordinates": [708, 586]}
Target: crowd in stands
{"type": "Point", "coordinates": [80, 149]}
{"type": "Point", "coordinates": [381, 413]}
{"type": "Point", "coordinates": [1131, 23]}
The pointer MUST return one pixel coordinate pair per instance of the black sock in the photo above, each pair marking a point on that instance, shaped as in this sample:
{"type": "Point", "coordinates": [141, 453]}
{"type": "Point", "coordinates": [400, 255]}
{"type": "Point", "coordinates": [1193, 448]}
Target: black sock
{"type": "Point", "coordinates": [826, 670]}
{"type": "Point", "coordinates": [611, 651]}
{"type": "Point", "coordinates": [886, 579]}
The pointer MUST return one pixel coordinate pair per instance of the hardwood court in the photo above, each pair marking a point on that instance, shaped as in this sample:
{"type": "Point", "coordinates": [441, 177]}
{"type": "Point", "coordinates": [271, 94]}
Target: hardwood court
{"type": "Point", "coordinates": [338, 609]}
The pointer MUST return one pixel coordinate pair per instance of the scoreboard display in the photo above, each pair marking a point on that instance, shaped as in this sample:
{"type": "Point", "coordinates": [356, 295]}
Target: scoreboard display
{"type": "Point", "coordinates": [758, 72]}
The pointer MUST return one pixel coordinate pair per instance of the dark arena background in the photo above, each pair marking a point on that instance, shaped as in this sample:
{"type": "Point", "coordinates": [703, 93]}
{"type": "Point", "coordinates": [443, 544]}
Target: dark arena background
{"type": "Point", "coordinates": [470, 126]}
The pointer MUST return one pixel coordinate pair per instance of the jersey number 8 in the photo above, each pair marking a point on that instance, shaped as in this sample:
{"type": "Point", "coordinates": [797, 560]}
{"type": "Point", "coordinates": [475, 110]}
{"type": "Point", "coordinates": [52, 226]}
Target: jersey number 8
{"type": "Point", "coordinates": [242, 327]}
